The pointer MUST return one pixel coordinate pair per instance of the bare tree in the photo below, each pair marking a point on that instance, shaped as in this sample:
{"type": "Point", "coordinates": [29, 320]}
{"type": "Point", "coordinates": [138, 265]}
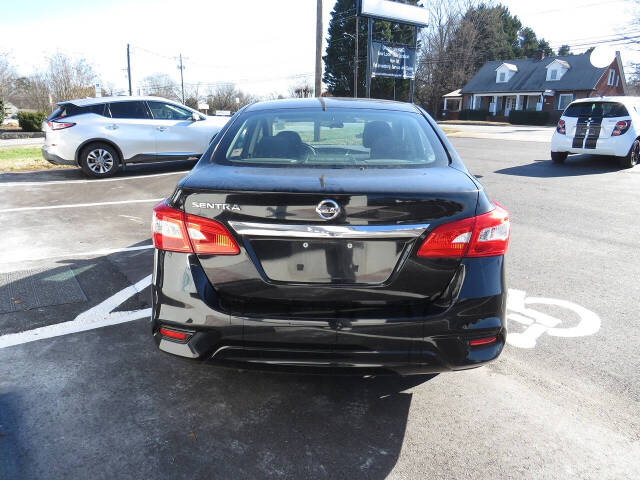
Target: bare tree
{"type": "Point", "coordinates": [161, 85]}
{"type": "Point", "coordinates": [7, 76]}
{"type": "Point", "coordinates": [301, 90]}
{"type": "Point", "coordinates": [69, 78]}
{"type": "Point", "coordinates": [228, 97]}
{"type": "Point", "coordinates": [441, 68]}
{"type": "Point", "coordinates": [31, 92]}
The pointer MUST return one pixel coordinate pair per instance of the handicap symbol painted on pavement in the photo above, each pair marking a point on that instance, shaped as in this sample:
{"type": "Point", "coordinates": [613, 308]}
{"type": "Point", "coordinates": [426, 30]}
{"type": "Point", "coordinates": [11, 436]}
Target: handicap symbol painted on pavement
{"type": "Point", "coordinates": [521, 310]}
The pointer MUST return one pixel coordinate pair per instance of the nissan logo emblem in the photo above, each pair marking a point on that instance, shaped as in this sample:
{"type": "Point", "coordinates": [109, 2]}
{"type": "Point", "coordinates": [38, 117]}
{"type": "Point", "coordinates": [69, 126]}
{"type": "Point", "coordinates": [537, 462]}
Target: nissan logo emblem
{"type": "Point", "coordinates": [328, 209]}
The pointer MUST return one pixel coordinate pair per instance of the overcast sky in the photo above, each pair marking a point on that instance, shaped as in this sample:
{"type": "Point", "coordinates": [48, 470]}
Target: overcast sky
{"type": "Point", "coordinates": [261, 46]}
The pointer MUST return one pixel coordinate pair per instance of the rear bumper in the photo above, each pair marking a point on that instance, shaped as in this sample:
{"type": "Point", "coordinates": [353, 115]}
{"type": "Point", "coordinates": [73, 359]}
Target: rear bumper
{"type": "Point", "coordinates": [616, 146]}
{"type": "Point", "coordinates": [435, 343]}
{"type": "Point", "coordinates": [53, 158]}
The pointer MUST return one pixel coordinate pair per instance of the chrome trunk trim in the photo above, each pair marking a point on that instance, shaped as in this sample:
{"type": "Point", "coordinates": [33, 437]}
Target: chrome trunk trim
{"type": "Point", "coordinates": [328, 231]}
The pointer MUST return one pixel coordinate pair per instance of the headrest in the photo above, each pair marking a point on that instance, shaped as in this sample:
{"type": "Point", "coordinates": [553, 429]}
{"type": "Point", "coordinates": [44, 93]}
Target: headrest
{"type": "Point", "coordinates": [374, 130]}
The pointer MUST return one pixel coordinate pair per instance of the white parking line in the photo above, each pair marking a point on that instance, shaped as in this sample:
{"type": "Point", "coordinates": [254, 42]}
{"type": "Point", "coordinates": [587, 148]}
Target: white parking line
{"type": "Point", "coordinates": [5, 265]}
{"type": "Point", "coordinates": [99, 316]}
{"type": "Point", "coordinates": [79, 205]}
{"type": "Point", "coordinates": [55, 182]}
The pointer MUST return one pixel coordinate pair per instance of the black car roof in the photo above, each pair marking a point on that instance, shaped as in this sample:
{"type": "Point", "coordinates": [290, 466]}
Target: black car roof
{"type": "Point", "coordinates": [333, 102]}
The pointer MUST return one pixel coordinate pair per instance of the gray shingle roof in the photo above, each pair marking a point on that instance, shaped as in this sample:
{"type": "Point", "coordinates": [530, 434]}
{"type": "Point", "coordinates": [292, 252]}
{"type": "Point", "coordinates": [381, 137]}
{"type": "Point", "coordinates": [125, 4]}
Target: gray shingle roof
{"type": "Point", "coordinates": [532, 75]}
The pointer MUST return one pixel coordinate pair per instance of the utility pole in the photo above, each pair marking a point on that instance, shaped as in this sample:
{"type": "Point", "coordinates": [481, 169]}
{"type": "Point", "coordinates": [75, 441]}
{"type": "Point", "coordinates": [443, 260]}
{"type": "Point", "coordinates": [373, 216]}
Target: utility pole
{"type": "Point", "coordinates": [355, 70]}
{"type": "Point", "coordinates": [129, 70]}
{"type": "Point", "coordinates": [181, 67]}
{"type": "Point", "coordinates": [318, 86]}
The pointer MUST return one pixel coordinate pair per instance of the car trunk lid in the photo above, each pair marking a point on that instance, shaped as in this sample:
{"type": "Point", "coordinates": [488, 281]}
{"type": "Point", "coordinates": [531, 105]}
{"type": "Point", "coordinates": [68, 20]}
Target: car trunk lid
{"type": "Point", "coordinates": [360, 262]}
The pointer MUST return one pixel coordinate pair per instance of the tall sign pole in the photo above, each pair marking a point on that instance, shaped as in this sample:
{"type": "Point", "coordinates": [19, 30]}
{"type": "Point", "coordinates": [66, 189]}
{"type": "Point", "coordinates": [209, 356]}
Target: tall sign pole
{"type": "Point", "coordinates": [369, 59]}
{"type": "Point", "coordinates": [129, 70]}
{"type": "Point", "coordinates": [318, 83]}
{"type": "Point", "coordinates": [356, 60]}
{"type": "Point", "coordinates": [412, 86]}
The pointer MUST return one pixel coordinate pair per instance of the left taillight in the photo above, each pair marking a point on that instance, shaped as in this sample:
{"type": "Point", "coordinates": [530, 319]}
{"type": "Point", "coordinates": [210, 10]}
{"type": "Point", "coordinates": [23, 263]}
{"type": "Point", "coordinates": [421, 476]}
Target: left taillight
{"type": "Point", "coordinates": [53, 125]}
{"type": "Point", "coordinates": [176, 231]}
{"type": "Point", "coordinates": [484, 235]}
{"type": "Point", "coordinates": [561, 128]}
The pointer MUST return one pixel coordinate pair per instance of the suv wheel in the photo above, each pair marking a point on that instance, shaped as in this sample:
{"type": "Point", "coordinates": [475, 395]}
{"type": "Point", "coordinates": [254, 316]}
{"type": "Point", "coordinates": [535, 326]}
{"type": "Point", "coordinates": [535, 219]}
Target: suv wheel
{"type": "Point", "coordinates": [99, 160]}
{"type": "Point", "coordinates": [632, 157]}
{"type": "Point", "coordinates": [558, 157]}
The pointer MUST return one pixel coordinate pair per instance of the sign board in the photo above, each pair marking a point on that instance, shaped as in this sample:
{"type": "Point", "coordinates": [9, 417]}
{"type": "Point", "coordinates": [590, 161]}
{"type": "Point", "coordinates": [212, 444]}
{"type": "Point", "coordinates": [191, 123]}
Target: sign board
{"type": "Point", "coordinates": [203, 106]}
{"type": "Point", "coordinates": [394, 12]}
{"type": "Point", "coordinates": [396, 62]}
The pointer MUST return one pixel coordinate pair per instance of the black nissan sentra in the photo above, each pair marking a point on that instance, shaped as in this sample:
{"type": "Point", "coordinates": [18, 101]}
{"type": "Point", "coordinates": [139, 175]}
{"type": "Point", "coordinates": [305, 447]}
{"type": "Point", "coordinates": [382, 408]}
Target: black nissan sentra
{"type": "Point", "coordinates": [335, 235]}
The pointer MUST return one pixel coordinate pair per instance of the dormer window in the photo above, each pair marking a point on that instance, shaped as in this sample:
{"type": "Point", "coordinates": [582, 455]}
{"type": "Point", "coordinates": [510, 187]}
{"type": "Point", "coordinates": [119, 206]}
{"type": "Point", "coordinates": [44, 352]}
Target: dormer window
{"type": "Point", "coordinates": [505, 72]}
{"type": "Point", "coordinates": [556, 70]}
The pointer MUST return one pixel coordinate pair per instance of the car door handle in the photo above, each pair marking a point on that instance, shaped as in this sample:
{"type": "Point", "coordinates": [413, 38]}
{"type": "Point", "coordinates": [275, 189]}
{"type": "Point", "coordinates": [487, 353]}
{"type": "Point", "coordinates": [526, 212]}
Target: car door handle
{"type": "Point", "coordinates": [162, 129]}
{"type": "Point", "coordinates": [113, 126]}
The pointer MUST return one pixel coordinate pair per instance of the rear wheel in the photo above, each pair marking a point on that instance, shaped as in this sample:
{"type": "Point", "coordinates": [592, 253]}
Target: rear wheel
{"type": "Point", "coordinates": [632, 157]}
{"type": "Point", "coordinates": [558, 157]}
{"type": "Point", "coordinates": [99, 160]}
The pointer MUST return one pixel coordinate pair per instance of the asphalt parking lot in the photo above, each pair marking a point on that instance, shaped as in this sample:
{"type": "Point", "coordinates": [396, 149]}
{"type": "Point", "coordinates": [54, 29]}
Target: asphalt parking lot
{"type": "Point", "coordinates": [85, 394]}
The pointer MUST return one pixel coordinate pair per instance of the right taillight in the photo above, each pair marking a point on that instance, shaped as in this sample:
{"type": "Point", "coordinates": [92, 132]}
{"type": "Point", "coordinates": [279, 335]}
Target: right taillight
{"type": "Point", "coordinates": [177, 232]}
{"type": "Point", "coordinates": [561, 128]}
{"type": "Point", "coordinates": [485, 235]}
{"type": "Point", "coordinates": [621, 127]}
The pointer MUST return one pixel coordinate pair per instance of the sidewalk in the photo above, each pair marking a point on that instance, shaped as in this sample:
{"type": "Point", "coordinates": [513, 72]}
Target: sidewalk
{"type": "Point", "coordinates": [521, 133]}
{"type": "Point", "coordinates": [18, 142]}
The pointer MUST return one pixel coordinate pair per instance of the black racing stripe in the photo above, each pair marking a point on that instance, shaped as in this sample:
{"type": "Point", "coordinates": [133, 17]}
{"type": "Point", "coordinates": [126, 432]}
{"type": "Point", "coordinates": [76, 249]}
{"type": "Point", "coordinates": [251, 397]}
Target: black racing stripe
{"type": "Point", "coordinates": [593, 132]}
{"type": "Point", "coordinates": [581, 132]}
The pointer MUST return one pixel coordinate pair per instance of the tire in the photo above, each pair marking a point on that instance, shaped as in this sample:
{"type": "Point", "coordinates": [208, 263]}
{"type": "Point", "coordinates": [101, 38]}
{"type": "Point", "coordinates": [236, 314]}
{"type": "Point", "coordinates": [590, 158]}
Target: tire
{"type": "Point", "coordinates": [99, 160]}
{"type": "Point", "coordinates": [558, 157]}
{"type": "Point", "coordinates": [632, 158]}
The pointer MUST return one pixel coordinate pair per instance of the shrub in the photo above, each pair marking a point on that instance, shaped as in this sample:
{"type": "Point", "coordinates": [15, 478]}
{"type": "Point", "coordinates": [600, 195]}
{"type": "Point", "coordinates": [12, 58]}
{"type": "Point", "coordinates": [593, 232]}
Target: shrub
{"type": "Point", "coordinates": [527, 117]}
{"type": "Point", "coordinates": [31, 121]}
{"type": "Point", "coordinates": [473, 114]}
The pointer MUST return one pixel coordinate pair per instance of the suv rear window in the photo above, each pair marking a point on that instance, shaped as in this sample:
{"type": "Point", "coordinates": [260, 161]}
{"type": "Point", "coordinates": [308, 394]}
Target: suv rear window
{"type": "Point", "coordinates": [69, 109]}
{"type": "Point", "coordinates": [333, 138]}
{"type": "Point", "coordinates": [596, 109]}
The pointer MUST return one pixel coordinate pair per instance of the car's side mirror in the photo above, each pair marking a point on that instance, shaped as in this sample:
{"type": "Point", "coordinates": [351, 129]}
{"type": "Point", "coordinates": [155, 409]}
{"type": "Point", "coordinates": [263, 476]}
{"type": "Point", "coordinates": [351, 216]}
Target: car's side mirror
{"type": "Point", "coordinates": [195, 117]}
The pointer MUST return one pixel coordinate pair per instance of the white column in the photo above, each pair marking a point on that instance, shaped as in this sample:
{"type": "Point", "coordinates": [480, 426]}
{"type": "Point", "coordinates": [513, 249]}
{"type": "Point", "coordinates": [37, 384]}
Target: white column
{"type": "Point", "coordinates": [518, 106]}
{"type": "Point", "coordinates": [495, 104]}
{"type": "Point", "coordinates": [475, 103]}
{"type": "Point", "coordinates": [445, 104]}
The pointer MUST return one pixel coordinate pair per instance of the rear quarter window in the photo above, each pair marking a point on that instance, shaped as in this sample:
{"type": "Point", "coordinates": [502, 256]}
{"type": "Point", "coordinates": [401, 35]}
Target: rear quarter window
{"type": "Point", "coordinates": [69, 110]}
{"type": "Point", "coordinates": [596, 109]}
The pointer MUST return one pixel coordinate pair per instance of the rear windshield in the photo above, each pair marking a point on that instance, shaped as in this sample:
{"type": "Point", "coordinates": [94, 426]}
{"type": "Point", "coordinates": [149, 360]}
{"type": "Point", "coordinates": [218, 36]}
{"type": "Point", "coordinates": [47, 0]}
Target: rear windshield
{"type": "Point", "coordinates": [596, 109]}
{"type": "Point", "coordinates": [334, 138]}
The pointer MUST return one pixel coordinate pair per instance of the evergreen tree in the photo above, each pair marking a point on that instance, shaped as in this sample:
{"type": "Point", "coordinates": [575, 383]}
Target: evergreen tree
{"type": "Point", "coordinates": [564, 50]}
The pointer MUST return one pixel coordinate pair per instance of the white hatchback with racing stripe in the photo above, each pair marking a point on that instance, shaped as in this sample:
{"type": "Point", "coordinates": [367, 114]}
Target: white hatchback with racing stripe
{"type": "Point", "coordinates": [599, 126]}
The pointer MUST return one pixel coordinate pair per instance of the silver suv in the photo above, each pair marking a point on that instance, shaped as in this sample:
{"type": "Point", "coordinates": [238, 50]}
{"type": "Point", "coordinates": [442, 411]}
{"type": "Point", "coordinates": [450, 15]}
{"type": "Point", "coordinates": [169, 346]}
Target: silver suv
{"type": "Point", "coordinates": [102, 135]}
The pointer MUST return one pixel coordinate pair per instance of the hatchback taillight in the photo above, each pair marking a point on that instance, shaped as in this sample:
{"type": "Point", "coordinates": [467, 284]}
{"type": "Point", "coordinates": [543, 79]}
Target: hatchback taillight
{"type": "Point", "coordinates": [485, 235]}
{"type": "Point", "coordinates": [562, 127]}
{"type": "Point", "coordinates": [176, 231]}
{"type": "Point", "coordinates": [53, 125]}
{"type": "Point", "coordinates": [621, 127]}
